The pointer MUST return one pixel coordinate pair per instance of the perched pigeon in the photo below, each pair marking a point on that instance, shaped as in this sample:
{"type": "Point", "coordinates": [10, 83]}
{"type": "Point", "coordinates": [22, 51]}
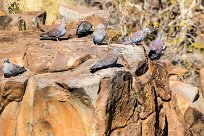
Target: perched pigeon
{"type": "Point", "coordinates": [57, 31]}
{"type": "Point", "coordinates": [156, 47]}
{"type": "Point", "coordinates": [99, 34]}
{"type": "Point", "coordinates": [22, 24]}
{"type": "Point", "coordinates": [10, 69]}
{"type": "Point", "coordinates": [84, 29]}
{"type": "Point", "coordinates": [108, 60]}
{"type": "Point", "coordinates": [137, 37]}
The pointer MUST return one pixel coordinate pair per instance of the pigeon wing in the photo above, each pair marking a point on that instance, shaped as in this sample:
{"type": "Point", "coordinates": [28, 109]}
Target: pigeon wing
{"type": "Point", "coordinates": [107, 61]}
{"type": "Point", "coordinates": [157, 46]}
{"type": "Point", "coordinates": [15, 70]}
{"type": "Point", "coordinates": [54, 32]}
{"type": "Point", "coordinates": [99, 36]}
{"type": "Point", "coordinates": [87, 26]}
{"type": "Point", "coordinates": [137, 37]}
{"type": "Point", "coordinates": [83, 28]}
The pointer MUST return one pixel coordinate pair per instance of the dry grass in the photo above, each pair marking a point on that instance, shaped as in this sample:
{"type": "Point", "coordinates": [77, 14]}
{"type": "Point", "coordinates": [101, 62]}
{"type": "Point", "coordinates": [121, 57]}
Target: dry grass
{"type": "Point", "coordinates": [174, 18]}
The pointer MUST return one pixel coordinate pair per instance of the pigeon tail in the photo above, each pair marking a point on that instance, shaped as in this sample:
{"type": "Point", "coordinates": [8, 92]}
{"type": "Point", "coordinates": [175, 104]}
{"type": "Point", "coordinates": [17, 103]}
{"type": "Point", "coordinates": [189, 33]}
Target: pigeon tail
{"type": "Point", "coordinates": [21, 70]}
{"type": "Point", "coordinates": [130, 42]}
{"type": "Point", "coordinates": [153, 55]}
{"type": "Point", "coordinates": [95, 67]}
{"type": "Point", "coordinates": [127, 42]}
{"type": "Point", "coordinates": [44, 35]}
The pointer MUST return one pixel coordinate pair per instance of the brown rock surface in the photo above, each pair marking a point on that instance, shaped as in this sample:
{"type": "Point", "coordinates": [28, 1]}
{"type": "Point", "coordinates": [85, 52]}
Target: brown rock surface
{"type": "Point", "coordinates": [187, 95]}
{"type": "Point", "coordinates": [59, 96]}
{"type": "Point", "coordinates": [194, 121]}
{"type": "Point", "coordinates": [4, 19]}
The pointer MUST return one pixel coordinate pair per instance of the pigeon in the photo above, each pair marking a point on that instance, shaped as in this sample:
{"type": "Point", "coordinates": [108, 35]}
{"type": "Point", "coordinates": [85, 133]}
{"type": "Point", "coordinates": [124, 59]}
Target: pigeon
{"type": "Point", "coordinates": [22, 24]}
{"type": "Point", "coordinates": [57, 31]}
{"type": "Point", "coordinates": [108, 60]}
{"type": "Point", "coordinates": [137, 37]}
{"type": "Point", "coordinates": [156, 47]}
{"type": "Point", "coordinates": [99, 34]}
{"type": "Point", "coordinates": [10, 69]}
{"type": "Point", "coordinates": [84, 29]}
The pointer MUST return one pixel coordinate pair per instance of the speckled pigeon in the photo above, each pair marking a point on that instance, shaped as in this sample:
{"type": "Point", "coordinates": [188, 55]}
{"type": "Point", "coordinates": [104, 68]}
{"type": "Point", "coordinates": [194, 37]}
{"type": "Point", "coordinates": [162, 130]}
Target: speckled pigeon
{"type": "Point", "coordinates": [10, 69]}
{"type": "Point", "coordinates": [57, 31]}
{"type": "Point", "coordinates": [156, 47]}
{"type": "Point", "coordinates": [109, 60]}
{"type": "Point", "coordinates": [137, 37]}
{"type": "Point", "coordinates": [84, 29]}
{"type": "Point", "coordinates": [99, 34]}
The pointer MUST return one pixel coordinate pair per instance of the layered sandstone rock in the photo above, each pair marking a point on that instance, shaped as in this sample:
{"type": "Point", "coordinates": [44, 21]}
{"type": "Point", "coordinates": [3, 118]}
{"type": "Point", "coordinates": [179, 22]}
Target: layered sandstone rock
{"type": "Point", "coordinates": [59, 96]}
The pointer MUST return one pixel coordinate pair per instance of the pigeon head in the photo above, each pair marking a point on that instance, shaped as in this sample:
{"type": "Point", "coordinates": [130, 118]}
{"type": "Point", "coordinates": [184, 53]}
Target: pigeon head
{"type": "Point", "coordinates": [6, 60]}
{"type": "Point", "coordinates": [64, 21]}
{"type": "Point", "coordinates": [147, 30]}
{"type": "Point", "coordinates": [100, 26]}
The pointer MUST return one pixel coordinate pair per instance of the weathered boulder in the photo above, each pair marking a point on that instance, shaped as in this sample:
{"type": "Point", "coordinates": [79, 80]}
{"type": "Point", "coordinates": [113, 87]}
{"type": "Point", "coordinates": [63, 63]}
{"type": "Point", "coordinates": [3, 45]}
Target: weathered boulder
{"type": "Point", "coordinates": [11, 91]}
{"type": "Point", "coordinates": [73, 11]}
{"type": "Point", "coordinates": [187, 95]}
{"type": "Point", "coordinates": [106, 106]}
{"type": "Point", "coordinates": [23, 6]}
{"type": "Point", "coordinates": [4, 19]}
{"type": "Point", "coordinates": [194, 121]}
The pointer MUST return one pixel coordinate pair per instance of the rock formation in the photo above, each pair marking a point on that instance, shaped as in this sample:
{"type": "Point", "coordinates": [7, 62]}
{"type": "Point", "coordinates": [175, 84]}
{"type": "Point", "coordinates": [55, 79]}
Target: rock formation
{"type": "Point", "coordinates": [59, 96]}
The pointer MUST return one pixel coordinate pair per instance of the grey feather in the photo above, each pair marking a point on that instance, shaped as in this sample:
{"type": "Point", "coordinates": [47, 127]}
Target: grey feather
{"type": "Point", "coordinates": [10, 69]}
{"type": "Point", "coordinates": [156, 47]}
{"type": "Point", "coordinates": [99, 34]}
{"type": "Point", "coordinates": [57, 31]}
{"type": "Point", "coordinates": [137, 37]}
{"type": "Point", "coordinates": [109, 60]}
{"type": "Point", "coordinates": [84, 29]}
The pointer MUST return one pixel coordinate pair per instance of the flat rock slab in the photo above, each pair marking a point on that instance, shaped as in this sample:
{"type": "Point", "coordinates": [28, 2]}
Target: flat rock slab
{"type": "Point", "coordinates": [187, 91]}
{"type": "Point", "coordinates": [187, 95]}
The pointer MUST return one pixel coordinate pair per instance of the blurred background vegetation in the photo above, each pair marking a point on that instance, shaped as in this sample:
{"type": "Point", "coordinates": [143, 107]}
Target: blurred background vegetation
{"type": "Point", "coordinates": [181, 22]}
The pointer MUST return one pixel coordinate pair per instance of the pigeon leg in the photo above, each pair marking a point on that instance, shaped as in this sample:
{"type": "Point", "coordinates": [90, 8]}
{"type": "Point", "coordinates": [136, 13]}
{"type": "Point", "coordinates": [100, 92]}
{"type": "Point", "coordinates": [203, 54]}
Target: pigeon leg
{"type": "Point", "coordinates": [57, 39]}
{"type": "Point", "coordinates": [107, 42]}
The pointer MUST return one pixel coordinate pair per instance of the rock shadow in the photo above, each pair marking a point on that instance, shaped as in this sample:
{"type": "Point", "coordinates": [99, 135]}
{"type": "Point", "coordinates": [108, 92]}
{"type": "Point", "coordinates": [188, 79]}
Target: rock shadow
{"type": "Point", "coordinates": [106, 67]}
